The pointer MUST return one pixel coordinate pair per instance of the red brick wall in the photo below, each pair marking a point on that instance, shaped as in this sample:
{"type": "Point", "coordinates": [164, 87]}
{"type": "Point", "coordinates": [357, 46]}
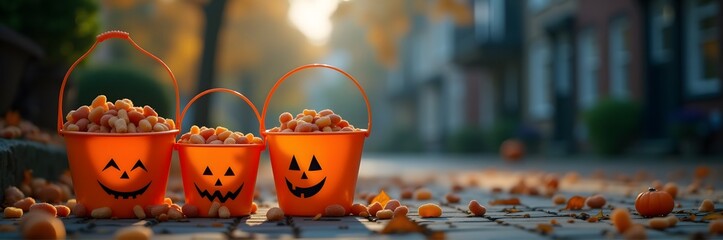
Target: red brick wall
{"type": "Point", "coordinates": [599, 14]}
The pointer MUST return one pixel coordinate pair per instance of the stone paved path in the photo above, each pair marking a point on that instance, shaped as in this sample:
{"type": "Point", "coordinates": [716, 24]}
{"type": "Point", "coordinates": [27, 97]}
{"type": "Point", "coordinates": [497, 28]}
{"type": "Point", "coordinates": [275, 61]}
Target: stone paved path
{"type": "Point", "coordinates": [455, 223]}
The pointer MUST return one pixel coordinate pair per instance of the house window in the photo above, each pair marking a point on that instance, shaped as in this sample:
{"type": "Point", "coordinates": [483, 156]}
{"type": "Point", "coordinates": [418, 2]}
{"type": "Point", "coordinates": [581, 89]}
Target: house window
{"type": "Point", "coordinates": [619, 57]}
{"type": "Point", "coordinates": [498, 20]}
{"type": "Point", "coordinates": [587, 61]}
{"type": "Point", "coordinates": [701, 48]}
{"type": "Point", "coordinates": [662, 16]}
{"type": "Point", "coordinates": [535, 6]}
{"type": "Point", "coordinates": [538, 65]}
{"type": "Point", "coordinates": [429, 107]}
{"type": "Point", "coordinates": [489, 17]}
{"type": "Point", "coordinates": [482, 20]}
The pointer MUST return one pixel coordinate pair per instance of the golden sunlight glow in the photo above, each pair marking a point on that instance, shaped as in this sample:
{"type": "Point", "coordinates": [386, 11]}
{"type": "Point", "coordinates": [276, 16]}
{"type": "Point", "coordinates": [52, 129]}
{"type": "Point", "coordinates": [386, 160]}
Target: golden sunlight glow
{"type": "Point", "coordinates": [311, 17]}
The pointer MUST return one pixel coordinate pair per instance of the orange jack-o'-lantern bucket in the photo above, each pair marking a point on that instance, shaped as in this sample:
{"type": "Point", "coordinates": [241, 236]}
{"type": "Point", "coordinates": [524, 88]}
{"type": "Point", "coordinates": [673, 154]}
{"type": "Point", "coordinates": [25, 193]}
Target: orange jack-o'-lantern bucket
{"type": "Point", "coordinates": [318, 169]}
{"type": "Point", "coordinates": [118, 170]}
{"type": "Point", "coordinates": [224, 173]}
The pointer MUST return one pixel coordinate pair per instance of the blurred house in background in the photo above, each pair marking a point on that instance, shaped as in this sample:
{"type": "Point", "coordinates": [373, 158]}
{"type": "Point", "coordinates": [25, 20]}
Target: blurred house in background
{"type": "Point", "coordinates": [454, 78]}
{"type": "Point", "coordinates": [488, 53]}
{"type": "Point", "coordinates": [608, 55]}
{"type": "Point", "coordinates": [549, 71]}
{"type": "Point", "coordinates": [419, 85]}
{"type": "Point", "coordinates": [682, 64]}
{"type": "Point", "coordinates": [662, 54]}
{"type": "Point", "coordinates": [542, 65]}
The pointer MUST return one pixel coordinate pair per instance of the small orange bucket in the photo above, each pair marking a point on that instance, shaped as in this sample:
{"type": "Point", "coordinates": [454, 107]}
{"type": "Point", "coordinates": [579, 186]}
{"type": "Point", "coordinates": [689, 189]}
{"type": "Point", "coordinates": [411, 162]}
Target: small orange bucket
{"type": "Point", "coordinates": [141, 160]}
{"type": "Point", "coordinates": [335, 156]}
{"type": "Point", "coordinates": [224, 173]}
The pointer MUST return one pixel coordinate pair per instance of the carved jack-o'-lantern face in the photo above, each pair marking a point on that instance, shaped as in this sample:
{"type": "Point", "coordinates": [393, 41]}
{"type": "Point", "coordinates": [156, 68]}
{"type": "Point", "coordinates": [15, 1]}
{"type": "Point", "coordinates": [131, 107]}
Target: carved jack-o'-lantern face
{"type": "Point", "coordinates": [304, 192]}
{"type": "Point", "coordinates": [217, 193]}
{"type": "Point", "coordinates": [124, 176]}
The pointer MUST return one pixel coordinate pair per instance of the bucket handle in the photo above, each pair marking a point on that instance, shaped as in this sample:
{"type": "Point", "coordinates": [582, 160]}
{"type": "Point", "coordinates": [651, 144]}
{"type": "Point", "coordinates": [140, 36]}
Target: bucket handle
{"type": "Point", "coordinates": [188, 105]}
{"type": "Point", "coordinates": [315, 65]}
{"type": "Point", "coordinates": [101, 38]}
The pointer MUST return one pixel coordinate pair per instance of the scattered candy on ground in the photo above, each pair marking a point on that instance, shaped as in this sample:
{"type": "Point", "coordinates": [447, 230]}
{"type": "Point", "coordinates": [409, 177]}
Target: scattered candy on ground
{"type": "Point", "coordinates": [465, 206]}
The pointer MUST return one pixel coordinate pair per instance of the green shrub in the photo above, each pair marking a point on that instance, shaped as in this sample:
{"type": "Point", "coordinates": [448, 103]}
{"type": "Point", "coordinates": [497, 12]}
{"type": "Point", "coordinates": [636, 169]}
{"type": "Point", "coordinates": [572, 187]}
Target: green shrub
{"type": "Point", "coordinates": [64, 29]}
{"type": "Point", "coordinates": [403, 139]}
{"type": "Point", "coordinates": [612, 125]}
{"type": "Point", "coordinates": [118, 82]}
{"type": "Point", "coordinates": [466, 140]}
{"type": "Point", "coordinates": [503, 129]}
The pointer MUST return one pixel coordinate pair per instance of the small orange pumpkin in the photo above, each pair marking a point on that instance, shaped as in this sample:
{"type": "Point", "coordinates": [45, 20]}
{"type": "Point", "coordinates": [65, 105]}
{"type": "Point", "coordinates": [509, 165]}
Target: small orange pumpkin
{"type": "Point", "coordinates": [654, 203]}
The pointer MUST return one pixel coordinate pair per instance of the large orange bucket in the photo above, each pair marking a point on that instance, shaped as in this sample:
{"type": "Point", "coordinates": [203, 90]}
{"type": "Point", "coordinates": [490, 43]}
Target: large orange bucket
{"type": "Point", "coordinates": [337, 153]}
{"type": "Point", "coordinates": [224, 173]}
{"type": "Point", "coordinates": [126, 184]}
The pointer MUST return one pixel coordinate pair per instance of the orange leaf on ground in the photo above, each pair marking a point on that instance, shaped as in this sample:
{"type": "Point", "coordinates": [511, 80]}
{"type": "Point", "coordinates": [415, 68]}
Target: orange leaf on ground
{"type": "Point", "coordinates": [401, 224]}
{"type": "Point", "coordinates": [599, 216]}
{"type": "Point", "coordinates": [509, 201]}
{"type": "Point", "coordinates": [382, 198]}
{"type": "Point", "coordinates": [575, 203]}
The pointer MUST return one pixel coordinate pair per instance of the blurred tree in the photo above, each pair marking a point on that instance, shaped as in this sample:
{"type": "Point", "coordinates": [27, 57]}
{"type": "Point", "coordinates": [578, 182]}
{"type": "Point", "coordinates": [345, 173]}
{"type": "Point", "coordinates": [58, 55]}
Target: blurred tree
{"type": "Point", "coordinates": [169, 29]}
{"type": "Point", "coordinates": [256, 44]}
{"type": "Point", "coordinates": [64, 29]}
{"type": "Point", "coordinates": [388, 21]}
{"type": "Point", "coordinates": [213, 13]}
{"type": "Point", "coordinates": [468, 139]}
{"type": "Point", "coordinates": [260, 45]}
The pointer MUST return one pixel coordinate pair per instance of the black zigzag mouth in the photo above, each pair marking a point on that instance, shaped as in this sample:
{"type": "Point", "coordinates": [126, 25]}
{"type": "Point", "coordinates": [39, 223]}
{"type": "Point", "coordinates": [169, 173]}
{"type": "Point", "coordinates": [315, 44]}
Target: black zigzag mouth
{"type": "Point", "coordinates": [125, 195]}
{"type": "Point", "coordinates": [217, 194]}
{"type": "Point", "coordinates": [305, 192]}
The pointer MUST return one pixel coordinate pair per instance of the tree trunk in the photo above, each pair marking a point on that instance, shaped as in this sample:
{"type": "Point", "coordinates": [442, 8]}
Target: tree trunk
{"type": "Point", "coordinates": [214, 12]}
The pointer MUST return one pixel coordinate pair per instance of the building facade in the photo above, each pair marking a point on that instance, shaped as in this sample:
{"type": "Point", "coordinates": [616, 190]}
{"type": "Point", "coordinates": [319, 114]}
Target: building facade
{"type": "Point", "coordinates": [662, 54]}
{"type": "Point", "coordinates": [549, 56]}
{"type": "Point", "coordinates": [454, 78]}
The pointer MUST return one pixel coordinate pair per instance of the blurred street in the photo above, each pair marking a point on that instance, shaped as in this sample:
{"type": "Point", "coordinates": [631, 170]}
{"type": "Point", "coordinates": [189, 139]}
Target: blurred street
{"type": "Point", "coordinates": [475, 177]}
{"type": "Point", "coordinates": [526, 101]}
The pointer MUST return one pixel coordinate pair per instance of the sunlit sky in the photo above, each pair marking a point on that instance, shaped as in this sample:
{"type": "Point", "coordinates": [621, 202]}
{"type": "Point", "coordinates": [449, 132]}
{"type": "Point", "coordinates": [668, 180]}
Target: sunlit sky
{"type": "Point", "coordinates": [312, 18]}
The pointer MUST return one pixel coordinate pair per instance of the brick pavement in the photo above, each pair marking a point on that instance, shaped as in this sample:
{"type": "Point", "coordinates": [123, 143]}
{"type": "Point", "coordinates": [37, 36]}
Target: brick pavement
{"type": "Point", "coordinates": [455, 222]}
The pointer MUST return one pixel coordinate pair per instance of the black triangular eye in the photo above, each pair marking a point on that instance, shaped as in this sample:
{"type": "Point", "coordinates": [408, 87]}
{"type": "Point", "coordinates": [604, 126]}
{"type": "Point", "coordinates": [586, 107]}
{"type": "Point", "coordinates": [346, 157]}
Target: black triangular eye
{"type": "Point", "coordinates": [314, 164]}
{"type": "Point", "coordinates": [207, 171]}
{"type": "Point", "coordinates": [111, 163]}
{"type": "Point", "coordinates": [139, 164]}
{"type": "Point", "coordinates": [294, 165]}
{"type": "Point", "coordinates": [229, 172]}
